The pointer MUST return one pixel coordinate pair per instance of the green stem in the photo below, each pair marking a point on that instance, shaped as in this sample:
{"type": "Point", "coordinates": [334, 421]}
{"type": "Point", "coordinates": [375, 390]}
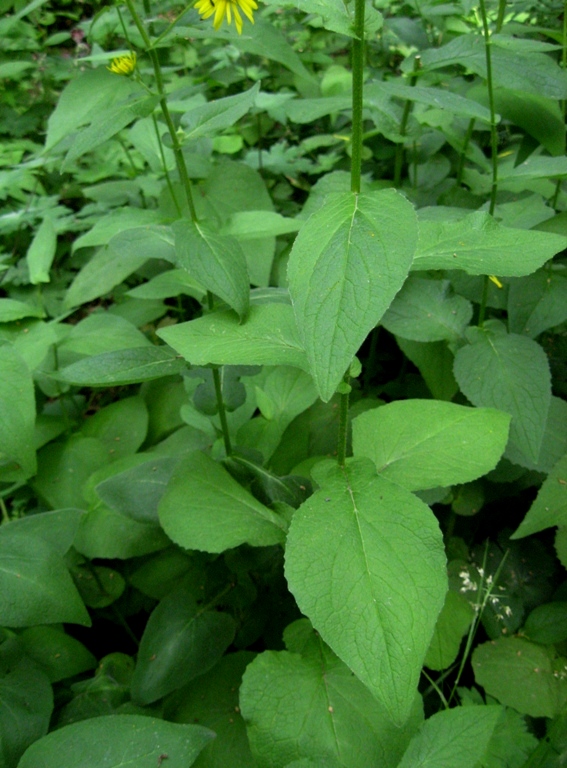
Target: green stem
{"type": "Point", "coordinates": [343, 424]}
{"type": "Point", "coordinates": [4, 510]}
{"type": "Point", "coordinates": [489, 84]}
{"type": "Point", "coordinates": [399, 156]}
{"type": "Point", "coordinates": [186, 184]}
{"type": "Point", "coordinates": [493, 138]}
{"type": "Point", "coordinates": [563, 103]}
{"type": "Point", "coordinates": [176, 145]}
{"type": "Point", "coordinates": [501, 12]}
{"type": "Point", "coordinates": [357, 95]}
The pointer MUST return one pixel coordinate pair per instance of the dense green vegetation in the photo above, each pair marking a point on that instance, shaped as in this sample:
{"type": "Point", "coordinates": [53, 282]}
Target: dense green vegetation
{"type": "Point", "coordinates": [283, 368]}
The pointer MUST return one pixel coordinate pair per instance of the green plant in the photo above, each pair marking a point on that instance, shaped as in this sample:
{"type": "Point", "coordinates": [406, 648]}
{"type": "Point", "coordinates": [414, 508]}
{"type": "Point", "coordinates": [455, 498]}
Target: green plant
{"type": "Point", "coordinates": [268, 428]}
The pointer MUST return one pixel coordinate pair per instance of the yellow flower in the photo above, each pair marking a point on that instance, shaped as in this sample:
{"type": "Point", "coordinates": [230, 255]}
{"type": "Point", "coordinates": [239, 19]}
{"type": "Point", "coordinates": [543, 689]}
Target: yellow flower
{"type": "Point", "coordinates": [225, 8]}
{"type": "Point", "coordinates": [123, 65]}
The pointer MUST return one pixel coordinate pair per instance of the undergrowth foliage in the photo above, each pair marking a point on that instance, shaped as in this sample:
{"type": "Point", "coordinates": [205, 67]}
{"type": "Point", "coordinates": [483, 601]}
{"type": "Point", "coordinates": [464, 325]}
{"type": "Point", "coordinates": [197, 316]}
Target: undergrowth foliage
{"type": "Point", "coordinates": [283, 430]}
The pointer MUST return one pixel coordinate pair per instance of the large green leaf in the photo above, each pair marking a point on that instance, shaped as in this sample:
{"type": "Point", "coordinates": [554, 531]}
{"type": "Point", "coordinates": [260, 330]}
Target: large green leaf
{"type": "Point", "coordinates": [537, 302]}
{"type": "Point", "coordinates": [108, 534]}
{"type": "Point", "coordinates": [42, 251]}
{"type": "Point", "coordinates": [511, 373]}
{"type": "Point", "coordinates": [125, 366]}
{"type": "Point", "coordinates": [212, 700]}
{"type": "Point", "coordinates": [205, 508]}
{"type": "Point", "coordinates": [452, 624]}
{"type": "Point", "coordinates": [83, 97]}
{"type": "Point", "coordinates": [437, 98]}
{"type": "Point", "coordinates": [181, 640]}
{"type": "Point", "coordinates": [365, 562]}
{"type": "Point", "coordinates": [434, 360]}
{"type": "Point", "coordinates": [522, 69]}
{"type": "Point", "coordinates": [35, 585]}
{"type": "Point", "coordinates": [347, 264]}
{"type": "Point", "coordinates": [428, 443]}
{"type": "Point", "coordinates": [268, 337]}
{"type": "Point", "coordinates": [121, 426]}
{"type": "Point", "coordinates": [125, 252]}
{"type": "Point", "coordinates": [216, 261]}
{"type": "Point", "coordinates": [117, 741]}
{"type": "Point", "coordinates": [523, 675]}
{"type": "Point", "coordinates": [213, 117]}
{"type": "Point", "coordinates": [454, 738]}
{"type": "Point", "coordinates": [56, 653]}
{"type": "Point", "coordinates": [479, 245]}
{"type": "Point", "coordinates": [26, 705]}
{"type": "Point", "coordinates": [107, 122]}
{"type": "Point", "coordinates": [305, 702]}
{"type": "Point", "coordinates": [17, 416]}
{"type": "Point", "coordinates": [550, 506]}
{"type": "Point", "coordinates": [425, 310]}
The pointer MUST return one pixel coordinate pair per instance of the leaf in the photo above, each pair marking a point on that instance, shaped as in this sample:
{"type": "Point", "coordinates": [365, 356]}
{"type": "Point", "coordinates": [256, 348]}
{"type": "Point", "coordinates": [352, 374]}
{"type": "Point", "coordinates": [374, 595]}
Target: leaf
{"type": "Point", "coordinates": [423, 444]}
{"type": "Point", "coordinates": [268, 337]}
{"type": "Point", "coordinates": [125, 366]}
{"type": "Point", "coordinates": [454, 738]}
{"type": "Point", "coordinates": [58, 528]}
{"type": "Point", "coordinates": [11, 310]}
{"type": "Point", "coordinates": [181, 641]}
{"type": "Point", "coordinates": [115, 741]}
{"type": "Point", "coordinates": [346, 265]}
{"type": "Point", "coordinates": [434, 360]}
{"type": "Point", "coordinates": [212, 700]}
{"type": "Point", "coordinates": [511, 373]}
{"type": "Point", "coordinates": [56, 653]}
{"type": "Point", "coordinates": [205, 508]}
{"type": "Point", "coordinates": [216, 261]}
{"type": "Point", "coordinates": [550, 506]}
{"type": "Point", "coordinates": [365, 562]}
{"type": "Point", "coordinates": [437, 98]}
{"type": "Point", "coordinates": [537, 302]}
{"type": "Point", "coordinates": [127, 250]}
{"type": "Point", "coordinates": [520, 70]}
{"type": "Point", "coordinates": [108, 534]}
{"type": "Point", "coordinates": [479, 245]}
{"type": "Point", "coordinates": [452, 624]}
{"type": "Point", "coordinates": [26, 705]}
{"type": "Point", "coordinates": [42, 251]}
{"type": "Point", "coordinates": [425, 310]}
{"type": "Point", "coordinates": [213, 117]}
{"type": "Point", "coordinates": [304, 702]}
{"type": "Point", "coordinates": [121, 426]}
{"type": "Point", "coordinates": [523, 675]}
{"type": "Point", "coordinates": [554, 444]}
{"type": "Point", "coordinates": [17, 416]}
{"type": "Point", "coordinates": [137, 491]}
{"type": "Point", "coordinates": [249, 225]}
{"type": "Point", "coordinates": [107, 122]}
{"type": "Point", "coordinates": [547, 624]}
{"type": "Point", "coordinates": [35, 585]}
{"type": "Point", "coordinates": [99, 333]}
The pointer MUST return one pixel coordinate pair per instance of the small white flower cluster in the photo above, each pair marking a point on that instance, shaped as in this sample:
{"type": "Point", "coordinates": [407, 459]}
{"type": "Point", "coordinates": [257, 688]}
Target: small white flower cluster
{"type": "Point", "coordinates": [484, 593]}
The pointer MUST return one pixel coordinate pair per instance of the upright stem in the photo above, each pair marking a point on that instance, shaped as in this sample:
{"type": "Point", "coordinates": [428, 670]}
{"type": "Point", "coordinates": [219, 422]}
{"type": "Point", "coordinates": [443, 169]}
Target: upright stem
{"type": "Point", "coordinates": [493, 131]}
{"type": "Point", "coordinates": [357, 95]}
{"type": "Point", "coordinates": [186, 184]}
{"type": "Point", "coordinates": [176, 145]}
{"type": "Point", "coordinates": [493, 137]}
{"type": "Point", "coordinates": [355, 174]}
{"type": "Point", "coordinates": [563, 102]}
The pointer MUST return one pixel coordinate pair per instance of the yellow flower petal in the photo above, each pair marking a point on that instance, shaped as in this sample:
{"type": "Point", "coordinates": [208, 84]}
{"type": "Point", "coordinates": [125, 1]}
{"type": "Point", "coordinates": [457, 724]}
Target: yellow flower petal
{"type": "Point", "coordinates": [225, 9]}
{"type": "Point", "coordinates": [123, 65]}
